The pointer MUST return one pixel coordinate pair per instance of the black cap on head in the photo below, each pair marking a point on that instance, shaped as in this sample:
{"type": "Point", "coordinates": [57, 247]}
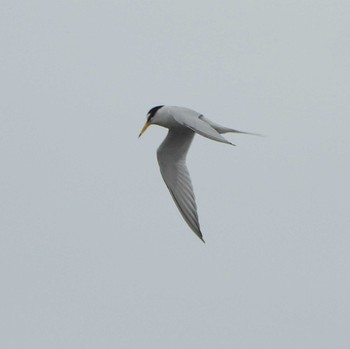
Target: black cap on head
{"type": "Point", "coordinates": [153, 111]}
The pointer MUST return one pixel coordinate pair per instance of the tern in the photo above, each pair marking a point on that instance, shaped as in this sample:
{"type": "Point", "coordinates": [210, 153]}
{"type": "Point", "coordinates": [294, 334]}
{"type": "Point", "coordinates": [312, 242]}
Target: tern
{"type": "Point", "coordinates": [182, 123]}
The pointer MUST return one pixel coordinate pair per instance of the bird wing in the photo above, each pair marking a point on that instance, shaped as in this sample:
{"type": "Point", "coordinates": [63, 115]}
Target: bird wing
{"type": "Point", "coordinates": [171, 157]}
{"type": "Point", "coordinates": [194, 121]}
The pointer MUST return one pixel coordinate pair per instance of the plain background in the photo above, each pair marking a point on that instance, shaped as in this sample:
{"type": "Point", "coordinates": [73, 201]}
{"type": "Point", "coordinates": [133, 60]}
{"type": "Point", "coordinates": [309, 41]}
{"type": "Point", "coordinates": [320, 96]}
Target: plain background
{"type": "Point", "coordinates": [94, 253]}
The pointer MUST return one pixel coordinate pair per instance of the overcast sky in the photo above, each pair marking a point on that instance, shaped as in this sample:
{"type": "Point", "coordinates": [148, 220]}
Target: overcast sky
{"type": "Point", "coordinates": [93, 252]}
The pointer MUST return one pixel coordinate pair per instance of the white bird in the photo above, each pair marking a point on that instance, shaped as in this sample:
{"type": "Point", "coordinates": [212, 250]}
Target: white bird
{"type": "Point", "coordinates": [182, 123]}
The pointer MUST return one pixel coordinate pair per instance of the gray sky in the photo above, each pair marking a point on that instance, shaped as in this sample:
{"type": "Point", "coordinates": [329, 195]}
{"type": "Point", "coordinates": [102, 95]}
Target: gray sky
{"type": "Point", "coordinates": [94, 253]}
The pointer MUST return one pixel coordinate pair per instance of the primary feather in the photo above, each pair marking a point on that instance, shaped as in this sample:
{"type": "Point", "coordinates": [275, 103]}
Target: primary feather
{"type": "Point", "coordinates": [171, 157]}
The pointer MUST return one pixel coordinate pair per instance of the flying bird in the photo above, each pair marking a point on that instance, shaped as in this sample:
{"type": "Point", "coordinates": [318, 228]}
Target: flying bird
{"type": "Point", "coordinates": [182, 123]}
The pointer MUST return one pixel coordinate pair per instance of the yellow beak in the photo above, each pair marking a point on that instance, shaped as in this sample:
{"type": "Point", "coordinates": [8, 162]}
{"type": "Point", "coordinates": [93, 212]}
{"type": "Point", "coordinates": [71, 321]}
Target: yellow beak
{"type": "Point", "coordinates": [144, 128]}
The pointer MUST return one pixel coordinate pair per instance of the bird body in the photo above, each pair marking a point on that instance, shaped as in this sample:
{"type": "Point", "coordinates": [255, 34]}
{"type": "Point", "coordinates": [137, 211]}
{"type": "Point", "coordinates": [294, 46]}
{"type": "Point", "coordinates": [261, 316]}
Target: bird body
{"type": "Point", "coordinates": [181, 118]}
{"type": "Point", "coordinates": [182, 123]}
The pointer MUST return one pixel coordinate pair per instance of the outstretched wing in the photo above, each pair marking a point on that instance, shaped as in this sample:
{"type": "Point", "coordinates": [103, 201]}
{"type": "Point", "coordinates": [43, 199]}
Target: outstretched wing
{"type": "Point", "coordinates": [171, 157]}
{"type": "Point", "coordinates": [194, 121]}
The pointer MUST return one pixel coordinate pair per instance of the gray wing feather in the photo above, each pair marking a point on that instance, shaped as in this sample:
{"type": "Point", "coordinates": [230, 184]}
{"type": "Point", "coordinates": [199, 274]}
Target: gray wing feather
{"type": "Point", "coordinates": [171, 157]}
{"type": "Point", "coordinates": [193, 121]}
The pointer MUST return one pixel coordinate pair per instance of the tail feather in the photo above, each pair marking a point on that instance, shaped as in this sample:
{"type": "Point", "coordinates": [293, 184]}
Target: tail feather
{"type": "Point", "coordinates": [245, 133]}
{"type": "Point", "coordinates": [223, 129]}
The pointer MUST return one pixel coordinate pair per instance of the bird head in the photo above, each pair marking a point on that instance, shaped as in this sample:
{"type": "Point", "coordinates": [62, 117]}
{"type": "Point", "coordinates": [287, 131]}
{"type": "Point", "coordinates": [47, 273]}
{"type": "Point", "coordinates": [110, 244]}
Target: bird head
{"type": "Point", "coordinates": [150, 118]}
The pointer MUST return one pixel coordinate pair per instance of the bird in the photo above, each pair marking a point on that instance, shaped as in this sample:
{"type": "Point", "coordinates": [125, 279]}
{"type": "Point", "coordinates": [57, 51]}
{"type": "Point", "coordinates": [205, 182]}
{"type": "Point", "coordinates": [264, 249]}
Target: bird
{"type": "Point", "coordinates": [182, 123]}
